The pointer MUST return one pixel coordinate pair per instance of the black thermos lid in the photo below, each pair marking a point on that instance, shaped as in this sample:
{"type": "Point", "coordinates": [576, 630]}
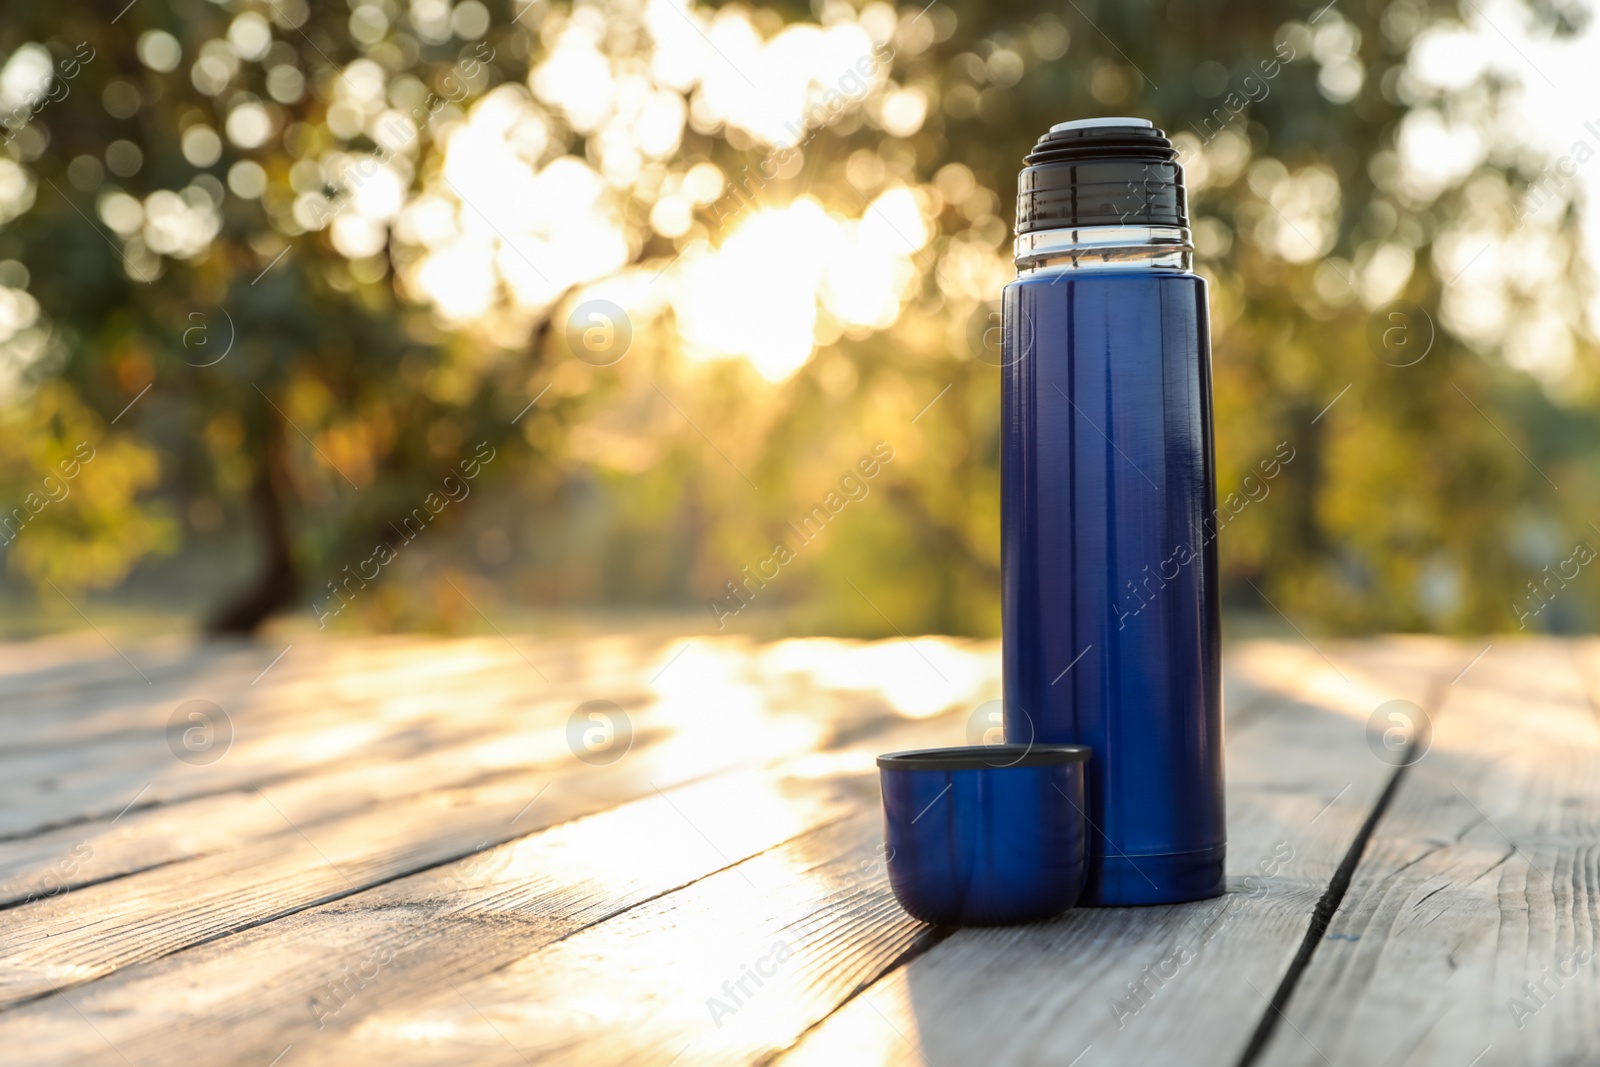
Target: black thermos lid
{"type": "Point", "coordinates": [1101, 172]}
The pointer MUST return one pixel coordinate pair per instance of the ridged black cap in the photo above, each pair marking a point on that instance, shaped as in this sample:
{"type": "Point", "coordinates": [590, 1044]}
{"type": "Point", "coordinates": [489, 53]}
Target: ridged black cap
{"type": "Point", "coordinates": [1116, 172]}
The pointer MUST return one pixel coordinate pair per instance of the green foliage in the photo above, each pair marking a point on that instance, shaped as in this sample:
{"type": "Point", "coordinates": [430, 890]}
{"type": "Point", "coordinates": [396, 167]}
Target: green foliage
{"type": "Point", "coordinates": [347, 394]}
{"type": "Point", "coordinates": [78, 521]}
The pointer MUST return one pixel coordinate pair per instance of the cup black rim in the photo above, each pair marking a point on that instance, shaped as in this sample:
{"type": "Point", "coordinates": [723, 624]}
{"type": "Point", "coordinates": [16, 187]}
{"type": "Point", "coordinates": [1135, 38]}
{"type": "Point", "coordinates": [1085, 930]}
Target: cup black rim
{"type": "Point", "coordinates": [983, 757]}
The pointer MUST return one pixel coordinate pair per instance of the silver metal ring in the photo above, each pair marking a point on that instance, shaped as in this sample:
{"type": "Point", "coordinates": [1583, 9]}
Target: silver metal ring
{"type": "Point", "coordinates": [1100, 244]}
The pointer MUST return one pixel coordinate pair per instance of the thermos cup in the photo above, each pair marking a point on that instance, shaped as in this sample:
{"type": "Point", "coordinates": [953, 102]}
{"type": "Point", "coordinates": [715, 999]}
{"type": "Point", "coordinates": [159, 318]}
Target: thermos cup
{"type": "Point", "coordinates": [985, 835]}
{"type": "Point", "coordinates": [1109, 565]}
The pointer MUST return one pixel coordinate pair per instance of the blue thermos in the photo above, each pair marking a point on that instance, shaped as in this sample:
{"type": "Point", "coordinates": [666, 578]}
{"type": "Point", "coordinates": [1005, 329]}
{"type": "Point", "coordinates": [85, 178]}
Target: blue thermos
{"type": "Point", "coordinates": [1109, 566]}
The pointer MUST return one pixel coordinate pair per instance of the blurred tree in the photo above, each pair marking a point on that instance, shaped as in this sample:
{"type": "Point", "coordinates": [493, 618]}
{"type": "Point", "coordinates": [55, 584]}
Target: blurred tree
{"type": "Point", "coordinates": [183, 181]}
{"type": "Point", "coordinates": [344, 247]}
{"type": "Point", "coordinates": [75, 522]}
{"type": "Point", "coordinates": [1421, 493]}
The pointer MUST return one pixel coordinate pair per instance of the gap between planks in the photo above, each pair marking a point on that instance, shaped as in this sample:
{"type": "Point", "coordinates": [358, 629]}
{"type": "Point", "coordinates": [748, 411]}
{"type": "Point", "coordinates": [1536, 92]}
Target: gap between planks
{"type": "Point", "coordinates": [1474, 909]}
{"type": "Point", "coordinates": [1074, 934]}
{"type": "Point", "coordinates": [899, 963]}
{"type": "Point", "coordinates": [1328, 905]}
{"type": "Point", "coordinates": [523, 898]}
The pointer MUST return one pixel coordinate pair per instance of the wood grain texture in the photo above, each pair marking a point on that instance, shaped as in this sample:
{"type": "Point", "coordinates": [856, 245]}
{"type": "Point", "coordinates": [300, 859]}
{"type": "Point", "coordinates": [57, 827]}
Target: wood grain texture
{"type": "Point", "coordinates": [310, 977]}
{"type": "Point", "coordinates": [685, 976]}
{"type": "Point", "coordinates": [1480, 878]}
{"type": "Point", "coordinates": [363, 878]}
{"type": "Point", "coordinates": [99, 806]}
{"type": "Point", "coordinates": [1172, 984]}
{"type": "Point", "coordinates": [270, 852]}
{"type": "Point", "coordinates": [726, 971]}
{"type": "Point", "coordinates": [82, 748]}
{"type": "Point", "coordinates": [106, 798]}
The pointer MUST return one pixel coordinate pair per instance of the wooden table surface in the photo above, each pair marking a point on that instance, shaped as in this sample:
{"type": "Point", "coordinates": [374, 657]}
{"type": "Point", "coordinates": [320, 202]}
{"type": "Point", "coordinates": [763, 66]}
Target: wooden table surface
{"type": "Point", "coordinates": [628, 851]}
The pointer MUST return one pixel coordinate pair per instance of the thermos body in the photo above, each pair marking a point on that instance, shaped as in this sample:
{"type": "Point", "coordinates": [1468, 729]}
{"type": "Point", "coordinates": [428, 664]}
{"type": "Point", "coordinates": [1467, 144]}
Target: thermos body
{"type": "Point", "coordinates": [1111, 633]}
{"type": "Point", "coordinates": [1109, 566]}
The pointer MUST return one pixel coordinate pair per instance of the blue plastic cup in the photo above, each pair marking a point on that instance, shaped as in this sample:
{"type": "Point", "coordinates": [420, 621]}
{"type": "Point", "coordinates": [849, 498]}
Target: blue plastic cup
{"type": "Point", "coordinates": [987, 835]}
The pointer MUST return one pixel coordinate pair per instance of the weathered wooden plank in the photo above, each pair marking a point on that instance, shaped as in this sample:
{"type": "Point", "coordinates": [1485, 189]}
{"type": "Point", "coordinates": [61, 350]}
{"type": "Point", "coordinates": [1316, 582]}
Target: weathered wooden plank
{"type": "Point", "coordinates": [726, 971]}
{"type": "Point", "coordinates": [1173, 984]}
{"type": "Point", "coordinates": [401, 742]}
{"type": "Point", "coordinates": [417, 987]}
{"type": "Point", "coordinates": [23, 664]}
{"type": "Point", "coordinates": [432, 740]}
{"type": "Point", "coordinates": [632, 986]}
{"type": "Point", "coordinates": [1260, 676]}
{"type": "Point", "coordinates": [85, 751]}
{"type": "Point", "coordinates": [59, 698]}
{"type": "Point", "coordinates": [270, 852]}
{"type": "Point", "coordinates": [1480, 878]}
{"type": "Point", "coordinates": [823, 899]}
{"type": "Point", "coordinates": [66, 702]}
{"type": "Point", "coordinates": [184, 823]}
{"type": "Point", "coordinates": [328, 709]}
{"type": "Point", "coordinates": [313, 975]}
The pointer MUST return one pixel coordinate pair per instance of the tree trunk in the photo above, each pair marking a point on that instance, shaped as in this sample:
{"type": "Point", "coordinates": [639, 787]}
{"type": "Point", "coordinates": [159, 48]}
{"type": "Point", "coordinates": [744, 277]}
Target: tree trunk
{"type": "Point", "coordinates": [275, 585]}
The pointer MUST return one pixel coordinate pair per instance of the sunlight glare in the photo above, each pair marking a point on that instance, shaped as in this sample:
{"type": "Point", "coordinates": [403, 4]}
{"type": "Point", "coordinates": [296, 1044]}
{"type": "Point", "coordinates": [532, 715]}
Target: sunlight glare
{"type": "Point", "coordinates": [756, 296]}
{"type": "Point", "coordinates": [917, 679]}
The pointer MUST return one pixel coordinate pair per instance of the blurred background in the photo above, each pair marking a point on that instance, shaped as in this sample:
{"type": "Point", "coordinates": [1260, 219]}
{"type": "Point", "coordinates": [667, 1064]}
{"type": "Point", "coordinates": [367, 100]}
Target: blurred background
{"type": "Point", "coordinates": [420, 315]}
